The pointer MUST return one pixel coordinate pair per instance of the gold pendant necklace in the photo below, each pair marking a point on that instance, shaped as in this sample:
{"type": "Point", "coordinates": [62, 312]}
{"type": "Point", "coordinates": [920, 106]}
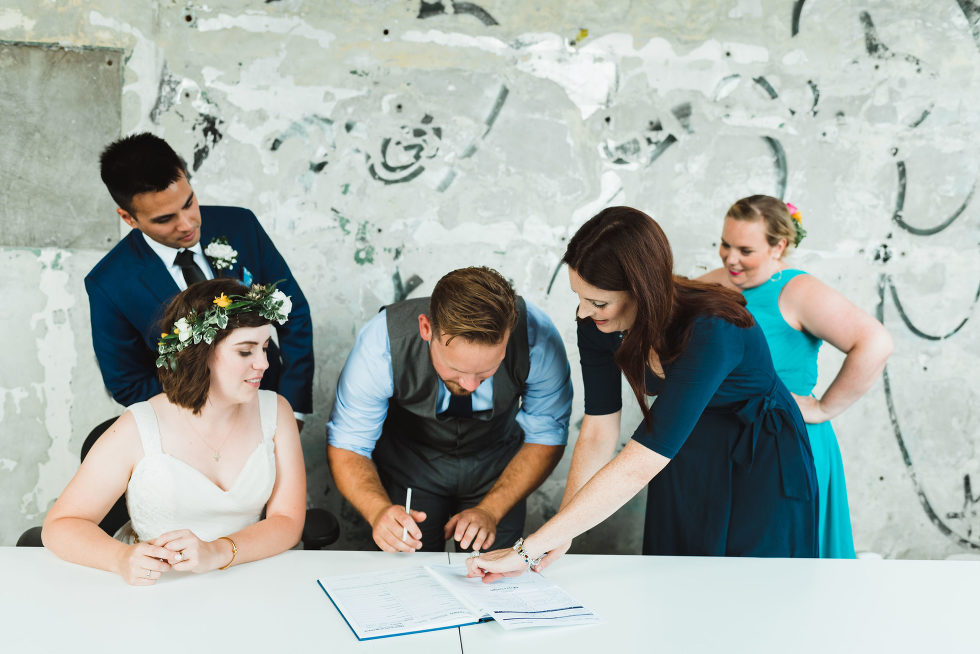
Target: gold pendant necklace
{"type": "Point", "coordinates": [216, 452]}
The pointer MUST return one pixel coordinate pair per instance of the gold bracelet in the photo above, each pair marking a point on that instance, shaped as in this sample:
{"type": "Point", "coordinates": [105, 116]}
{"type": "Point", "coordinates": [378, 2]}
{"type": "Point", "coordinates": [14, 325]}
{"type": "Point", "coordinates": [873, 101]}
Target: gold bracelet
{"type": "Point", "coordinates": [234, 551]}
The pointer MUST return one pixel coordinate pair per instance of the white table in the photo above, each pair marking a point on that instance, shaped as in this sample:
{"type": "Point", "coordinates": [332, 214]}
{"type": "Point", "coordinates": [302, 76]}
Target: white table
{"type": "Point", "coordinates": [661, 604]}
{"type": "Point", "coordinates": [694, 605]}
{"type": "Point", "coordinates": [272, 606]}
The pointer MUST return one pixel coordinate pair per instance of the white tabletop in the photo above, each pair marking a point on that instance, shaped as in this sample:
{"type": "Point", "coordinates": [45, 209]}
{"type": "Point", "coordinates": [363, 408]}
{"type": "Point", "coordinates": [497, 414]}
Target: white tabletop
{"type": "Point", "coordinates": [693, 604]}
{"type": "Point", "coordinates": [662, 604]}
{"type": "Point", "coordinates": [268, 606]}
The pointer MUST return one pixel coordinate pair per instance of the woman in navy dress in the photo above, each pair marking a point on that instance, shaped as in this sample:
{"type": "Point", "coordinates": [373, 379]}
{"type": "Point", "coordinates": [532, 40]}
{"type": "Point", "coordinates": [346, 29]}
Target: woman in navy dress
{"type": "Point", "coordinates": [723, 447]}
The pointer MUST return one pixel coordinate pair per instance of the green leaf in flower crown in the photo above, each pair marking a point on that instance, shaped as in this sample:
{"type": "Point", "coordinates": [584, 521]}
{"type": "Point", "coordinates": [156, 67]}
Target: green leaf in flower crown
{"type": "Point", "coordinates": [161, 361]}
{"type": "Point", "coordinates": [209, 335]}
{"type": "Point", "coordinates": [197, 336]}
{"type": "Point", "coordinates": [222, 320]}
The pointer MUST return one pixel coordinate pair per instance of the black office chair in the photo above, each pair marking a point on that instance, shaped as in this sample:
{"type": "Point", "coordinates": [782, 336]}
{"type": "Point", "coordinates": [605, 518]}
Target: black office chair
{"type": "Point", "coordinates": [320, 530]}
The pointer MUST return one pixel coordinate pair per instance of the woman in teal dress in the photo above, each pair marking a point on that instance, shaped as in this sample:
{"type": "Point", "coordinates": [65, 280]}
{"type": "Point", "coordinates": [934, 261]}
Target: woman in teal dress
{"type": "Point", "coordinates": [797, 313]}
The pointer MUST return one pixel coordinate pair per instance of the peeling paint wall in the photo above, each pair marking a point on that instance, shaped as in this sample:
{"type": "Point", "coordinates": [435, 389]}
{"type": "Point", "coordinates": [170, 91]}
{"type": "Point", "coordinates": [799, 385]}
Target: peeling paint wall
{"type": "Point", "coordinates": [383, 143]}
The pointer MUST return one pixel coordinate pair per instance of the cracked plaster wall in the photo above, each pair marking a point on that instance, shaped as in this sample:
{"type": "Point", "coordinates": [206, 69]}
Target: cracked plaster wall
{"type": "Point", "coordinates": [385, 143]}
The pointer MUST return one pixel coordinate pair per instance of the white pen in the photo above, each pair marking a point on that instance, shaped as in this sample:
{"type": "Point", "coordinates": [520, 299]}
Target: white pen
{"type": "Point", "coordinates": [408, 510]}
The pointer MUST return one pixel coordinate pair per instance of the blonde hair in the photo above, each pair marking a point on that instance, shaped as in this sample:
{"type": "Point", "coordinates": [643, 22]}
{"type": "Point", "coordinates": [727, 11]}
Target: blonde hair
{"type": "Point", "coordinates": [779, 224]}
{"type": "Point", "coordinates": [476, 304]}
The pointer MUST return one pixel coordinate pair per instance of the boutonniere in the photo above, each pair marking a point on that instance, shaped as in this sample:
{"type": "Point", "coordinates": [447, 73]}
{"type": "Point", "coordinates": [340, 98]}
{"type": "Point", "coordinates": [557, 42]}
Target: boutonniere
{"type": "Point", "coordinates": [221, 254]}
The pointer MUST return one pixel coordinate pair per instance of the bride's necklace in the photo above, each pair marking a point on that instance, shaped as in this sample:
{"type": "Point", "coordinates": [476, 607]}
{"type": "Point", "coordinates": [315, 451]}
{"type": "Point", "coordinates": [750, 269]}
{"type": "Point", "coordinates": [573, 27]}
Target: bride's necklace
{"type": "Point", "coordinates": [216, 451]}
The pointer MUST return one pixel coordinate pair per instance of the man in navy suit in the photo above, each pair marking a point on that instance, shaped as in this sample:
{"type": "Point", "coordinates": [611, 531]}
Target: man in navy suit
{"type": "Point", "coordinates": [132, 284]}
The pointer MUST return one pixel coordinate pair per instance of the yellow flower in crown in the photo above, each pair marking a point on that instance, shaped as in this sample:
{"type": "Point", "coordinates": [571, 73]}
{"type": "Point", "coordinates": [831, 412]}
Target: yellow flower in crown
{"type": "Point", "coordinates": [265, 300]}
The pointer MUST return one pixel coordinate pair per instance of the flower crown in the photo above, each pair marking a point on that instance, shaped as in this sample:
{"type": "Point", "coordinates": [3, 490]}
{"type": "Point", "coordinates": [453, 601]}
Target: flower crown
{"type": "Point", "coordinates": [267, 301]}
{"type": "Point", "coordinates": [797, 217]}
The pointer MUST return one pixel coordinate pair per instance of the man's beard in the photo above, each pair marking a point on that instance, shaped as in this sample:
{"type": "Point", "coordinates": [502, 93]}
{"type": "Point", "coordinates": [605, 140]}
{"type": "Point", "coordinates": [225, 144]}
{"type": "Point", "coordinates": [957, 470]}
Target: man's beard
{"type": "Point", "coordinates": [455, 388]}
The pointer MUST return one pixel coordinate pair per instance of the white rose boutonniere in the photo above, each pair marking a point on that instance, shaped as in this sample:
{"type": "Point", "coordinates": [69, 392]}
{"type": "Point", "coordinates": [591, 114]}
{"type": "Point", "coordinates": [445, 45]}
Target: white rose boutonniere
{"type": "Point", "coordinates": [221, 254]}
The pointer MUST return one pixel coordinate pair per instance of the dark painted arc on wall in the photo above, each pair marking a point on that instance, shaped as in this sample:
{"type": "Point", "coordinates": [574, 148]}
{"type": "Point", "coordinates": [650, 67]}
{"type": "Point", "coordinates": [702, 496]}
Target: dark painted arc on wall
{"type": "Point", "coordinates": [919, 491]}
{"type": "Point", "coordinates": [607, 203]}
{"type": "Point", "coordinates": [971, 10]}
{"type": "Point", "coordinates": [872, 43]}
{"type": "Point", "coordinates": [166, 92]}
{"type": "Point", "coordinates": [661, 147]}
{"type": "Point", "coordinates": [779, 154]}
{"type": "Point", "coordinates": [875, 46]}
{"type": "Point", "coordinates": [797, 10]}
{"type": "Point", "coordinates": [402, 290]}
{"type": "Point", "coordinates": [906, 457]}
{"type": "Point", "coordinates": [474, 10]}
{"type": "Point", "coordinates": [900, 207]}
{"type": "Point", "coordinates": [925, 114]}
{"type": "Point", "coordinates": [210, 135]}
{"type": "Point", "coordinates": [816, 96]}
{"type": "Point", "coordinates": [766, 86]}
{"type": "Point", "coordinates": [430, 9]}
{"type": "Point", "coordinates": [915, 330]}
{"type": "Point", "coordinates": [498, 104]}
{"type": "Point", "coordinates": [554, 276]}
{"type": "Point", "coordinates": [682, 113]}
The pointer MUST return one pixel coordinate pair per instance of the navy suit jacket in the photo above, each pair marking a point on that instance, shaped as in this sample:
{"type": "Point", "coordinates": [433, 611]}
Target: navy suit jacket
{"type": "Point", "coordinates": [129, 289]}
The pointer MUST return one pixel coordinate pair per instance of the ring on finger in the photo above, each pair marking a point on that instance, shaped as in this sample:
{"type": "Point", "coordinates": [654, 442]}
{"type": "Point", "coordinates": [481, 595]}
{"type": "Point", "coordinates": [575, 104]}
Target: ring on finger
{"type": "Point", "coordinates": [147, 574]}
{"type": "Point", "coordinates": [179, 556]}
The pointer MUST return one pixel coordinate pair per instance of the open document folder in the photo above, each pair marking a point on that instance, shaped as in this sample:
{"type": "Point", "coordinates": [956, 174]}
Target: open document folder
{"type": "Point", "coordinates": [412, 600]}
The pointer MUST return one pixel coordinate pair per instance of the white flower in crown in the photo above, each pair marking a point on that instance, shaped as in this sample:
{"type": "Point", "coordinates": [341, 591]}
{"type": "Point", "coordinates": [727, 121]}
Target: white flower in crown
{"type": "Point", "coordinates": [285, 305]}
{"type": "Point", "coordinates": [183, 329]}
{"type": "Point", "coordinates": [221, 254]}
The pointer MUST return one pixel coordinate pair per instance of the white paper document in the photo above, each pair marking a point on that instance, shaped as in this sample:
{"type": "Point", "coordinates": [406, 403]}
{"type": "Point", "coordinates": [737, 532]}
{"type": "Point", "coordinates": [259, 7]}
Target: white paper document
{"type": "Point", "coordinates": [529, 600]}
{"type": "Point", "coordinates": [412, 600]}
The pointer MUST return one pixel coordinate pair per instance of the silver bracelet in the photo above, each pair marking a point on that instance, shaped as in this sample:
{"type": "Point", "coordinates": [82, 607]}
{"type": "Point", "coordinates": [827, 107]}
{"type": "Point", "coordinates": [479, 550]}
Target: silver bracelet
{"type": "Point", "coordinates": [519, 548]}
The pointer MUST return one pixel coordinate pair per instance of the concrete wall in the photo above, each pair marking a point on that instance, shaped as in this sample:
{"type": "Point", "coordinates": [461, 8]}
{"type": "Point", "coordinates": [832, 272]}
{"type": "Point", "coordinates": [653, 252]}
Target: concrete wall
{"type": "Point", "coordinates": [383, 140]}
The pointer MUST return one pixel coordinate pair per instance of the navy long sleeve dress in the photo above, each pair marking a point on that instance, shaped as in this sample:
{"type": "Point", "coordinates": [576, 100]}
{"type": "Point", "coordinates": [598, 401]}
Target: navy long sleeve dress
{"type": "Point", "coordinates": [741, 480]}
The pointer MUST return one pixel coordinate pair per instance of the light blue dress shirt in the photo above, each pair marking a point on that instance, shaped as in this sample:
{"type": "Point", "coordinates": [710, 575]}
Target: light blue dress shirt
{"type": "Point", "coordinates": [367, 383]}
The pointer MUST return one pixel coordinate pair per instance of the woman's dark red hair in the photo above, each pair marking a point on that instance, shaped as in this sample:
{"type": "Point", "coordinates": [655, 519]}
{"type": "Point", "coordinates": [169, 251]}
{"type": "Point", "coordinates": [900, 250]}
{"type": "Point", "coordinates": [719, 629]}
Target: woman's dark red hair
{"type": "Point", "coordinates": [623, 249]}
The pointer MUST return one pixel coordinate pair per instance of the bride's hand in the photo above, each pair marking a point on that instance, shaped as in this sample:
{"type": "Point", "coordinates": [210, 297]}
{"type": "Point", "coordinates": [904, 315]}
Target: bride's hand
{"type": "Point", "coordinates": [142, 564]}
{"type": "Point", "coordinates": [188, 553]}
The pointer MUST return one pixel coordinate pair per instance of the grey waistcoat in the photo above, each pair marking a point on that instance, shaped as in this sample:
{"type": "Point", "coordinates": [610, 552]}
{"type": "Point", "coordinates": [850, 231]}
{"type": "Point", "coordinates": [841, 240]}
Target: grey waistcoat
{"type": "Point", "coordinates": [420, 444]}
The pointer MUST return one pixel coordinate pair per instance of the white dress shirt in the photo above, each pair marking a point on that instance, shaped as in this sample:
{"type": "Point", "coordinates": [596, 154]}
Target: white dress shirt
{"type": "Point", "coordinates": [167, 255]}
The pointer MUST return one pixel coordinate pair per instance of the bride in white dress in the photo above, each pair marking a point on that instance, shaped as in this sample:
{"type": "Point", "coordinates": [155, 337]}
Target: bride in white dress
{"type": "Point", "coordinates": [198, 462]}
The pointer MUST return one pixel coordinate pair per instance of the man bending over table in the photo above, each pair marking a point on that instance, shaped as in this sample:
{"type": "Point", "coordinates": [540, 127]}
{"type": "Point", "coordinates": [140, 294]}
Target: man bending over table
{"type": "Point", "coordinates": [464, 397]}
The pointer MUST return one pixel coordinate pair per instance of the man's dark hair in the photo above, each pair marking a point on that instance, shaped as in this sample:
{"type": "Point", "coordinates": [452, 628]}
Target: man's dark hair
{"type": "Point", "coordinates": [139, 163]}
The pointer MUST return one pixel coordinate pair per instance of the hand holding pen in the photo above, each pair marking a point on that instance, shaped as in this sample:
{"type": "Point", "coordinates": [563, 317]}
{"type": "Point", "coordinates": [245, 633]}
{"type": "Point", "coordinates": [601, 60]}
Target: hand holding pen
{"type": "Point", "coordinates": [395, 528]}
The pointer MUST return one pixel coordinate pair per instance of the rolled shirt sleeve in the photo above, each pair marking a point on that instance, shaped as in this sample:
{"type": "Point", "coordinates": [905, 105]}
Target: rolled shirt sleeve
{"type": "Point", "coordinates": [547, 401]}
{"type": "Point", "coordinates": [363, 390]}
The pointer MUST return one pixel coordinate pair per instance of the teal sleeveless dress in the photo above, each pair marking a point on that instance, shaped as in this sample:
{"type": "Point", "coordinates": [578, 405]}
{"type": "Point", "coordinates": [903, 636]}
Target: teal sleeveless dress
{"type": "Point", "coordinates": [794, 355]}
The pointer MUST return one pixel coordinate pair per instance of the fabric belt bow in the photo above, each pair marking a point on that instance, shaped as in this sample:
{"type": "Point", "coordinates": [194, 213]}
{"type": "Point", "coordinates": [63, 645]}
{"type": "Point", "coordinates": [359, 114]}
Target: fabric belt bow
{"type": "Point", "coordinates": [762, 416]}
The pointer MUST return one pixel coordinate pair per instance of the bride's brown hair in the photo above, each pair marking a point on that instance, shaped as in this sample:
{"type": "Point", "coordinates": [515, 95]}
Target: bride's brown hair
{"type": "Point", "coordinates": [189, 384]}
{"type": "Point", "coordinates": [623, 249]}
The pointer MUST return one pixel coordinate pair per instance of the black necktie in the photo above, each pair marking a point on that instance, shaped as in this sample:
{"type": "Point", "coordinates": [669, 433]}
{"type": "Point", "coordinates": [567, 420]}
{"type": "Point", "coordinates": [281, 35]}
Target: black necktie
{"type": "Point", "coordinates": [460, 406]}
{"type": "Point", "coordinates": [192, 274]}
